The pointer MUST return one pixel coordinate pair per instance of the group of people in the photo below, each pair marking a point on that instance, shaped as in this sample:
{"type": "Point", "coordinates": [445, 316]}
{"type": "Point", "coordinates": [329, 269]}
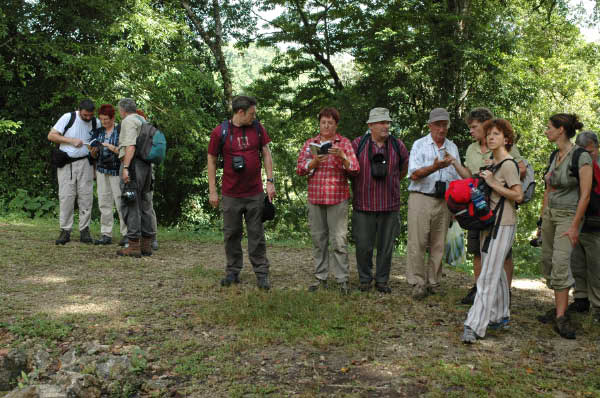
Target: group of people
{"type": "Point", "coordinates": [374, 164]}
{"type": "Point", "coordinates": [97, 149]}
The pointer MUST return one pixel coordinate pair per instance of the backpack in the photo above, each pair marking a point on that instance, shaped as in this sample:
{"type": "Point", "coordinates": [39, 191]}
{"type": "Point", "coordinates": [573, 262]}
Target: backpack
{"type": "Point", "coordinates": [458, 199]}
{"type": "Point", "coordinates": [151, 144]}
{"type": "Point", "coordinates": [363, 141]}
{"type": "Point", "coordinates": [528, 183]}
{"type": "Point", "coordinates": [593, 208]}
{"type": "Point", "coordinates": [225, 131]}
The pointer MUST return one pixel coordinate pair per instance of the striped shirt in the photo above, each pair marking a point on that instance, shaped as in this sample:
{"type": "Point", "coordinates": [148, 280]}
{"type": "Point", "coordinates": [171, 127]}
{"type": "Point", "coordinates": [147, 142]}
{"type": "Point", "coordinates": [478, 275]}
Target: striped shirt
{"type": "Point", "coordinates": [383, 194]}
{"type": "Point", "coordinates": [328, 183]}
{"type": "Point", "coordinates": [422, 154]}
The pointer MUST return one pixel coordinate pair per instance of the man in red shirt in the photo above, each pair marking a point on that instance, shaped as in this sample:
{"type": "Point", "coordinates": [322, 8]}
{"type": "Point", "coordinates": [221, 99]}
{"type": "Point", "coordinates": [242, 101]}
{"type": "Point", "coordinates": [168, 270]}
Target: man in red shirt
{"type": "Point", "coordinates": [242, 189]}
{"type": "Point", "coordinates": [376, 188]}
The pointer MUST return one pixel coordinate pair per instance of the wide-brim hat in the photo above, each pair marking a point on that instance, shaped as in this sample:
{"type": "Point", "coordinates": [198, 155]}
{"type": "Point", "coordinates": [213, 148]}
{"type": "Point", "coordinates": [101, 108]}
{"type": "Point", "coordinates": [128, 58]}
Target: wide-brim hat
{"type": "Point", "coordinates": [438, 114]}
{"type": "Point", "coordinates": [379, 115]}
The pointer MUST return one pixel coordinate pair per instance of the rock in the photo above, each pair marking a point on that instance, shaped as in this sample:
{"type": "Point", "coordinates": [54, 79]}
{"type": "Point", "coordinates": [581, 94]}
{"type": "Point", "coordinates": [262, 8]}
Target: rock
{"type": "Point", "coordinates": [41, 360]}
{"type": "Point", "coordinates": [69, 360]}
{"type": "Point", "coordinates": [11, 365]}
{"type": "Point", "coordinates": [79, 385]}
{"type": "Point", "coordinates": [27, 392]}
{"type": "Point", "coordinates": [95, 347]}
{"type": "Point", "coordinates": [41, 391]}
{"type": "Point", "coordinates": [113, 367]}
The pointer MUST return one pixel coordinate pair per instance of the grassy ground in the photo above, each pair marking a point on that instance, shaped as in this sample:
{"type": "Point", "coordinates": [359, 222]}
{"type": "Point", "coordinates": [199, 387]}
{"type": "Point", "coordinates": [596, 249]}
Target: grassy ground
{"type": "Point", "coordinates": [241, 342]}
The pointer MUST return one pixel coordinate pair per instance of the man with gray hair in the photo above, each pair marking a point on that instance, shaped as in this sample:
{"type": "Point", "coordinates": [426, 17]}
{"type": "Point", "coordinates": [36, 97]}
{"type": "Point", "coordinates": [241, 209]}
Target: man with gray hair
{"type": "Point", "coordinates": [585, 258]}
{"type": "Point", "coordinates": [136, 184]}
{"type": "Point", "coordinates": [383, 161]}
{"type": "Point", "coordinates": [434, 162]}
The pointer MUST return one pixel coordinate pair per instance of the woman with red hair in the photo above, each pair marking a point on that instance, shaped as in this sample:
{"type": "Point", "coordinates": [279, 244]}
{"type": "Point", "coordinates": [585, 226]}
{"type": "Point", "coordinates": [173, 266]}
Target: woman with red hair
{"type": "Point", "coordinates": [107, 175]}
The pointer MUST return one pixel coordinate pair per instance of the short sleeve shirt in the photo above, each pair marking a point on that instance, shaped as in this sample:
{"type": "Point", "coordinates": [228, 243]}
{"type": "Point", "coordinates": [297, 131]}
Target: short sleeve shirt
{"type": "Point", "coordinates": [241, 141]}
{"type": "Point", "coordinates": [475, 159]}
{"type": "Point", "coordinates": [422, 154]}
{"type": "Point", "coordinates": [508, 176]}
{"type": "Point", "coordinates": [130, 130]}
{"type": "Point", "coordinates": [79, 129]}
{"type": "Point", "coordinates": [564, 188]}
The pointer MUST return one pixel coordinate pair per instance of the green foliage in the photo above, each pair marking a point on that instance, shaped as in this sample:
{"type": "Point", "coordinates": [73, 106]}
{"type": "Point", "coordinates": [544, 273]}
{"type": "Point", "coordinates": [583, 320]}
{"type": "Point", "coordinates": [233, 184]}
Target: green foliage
{"type": "Point", "coordinates": [39, 326]}
{"type": "Point", "coordinates": [37, 206]}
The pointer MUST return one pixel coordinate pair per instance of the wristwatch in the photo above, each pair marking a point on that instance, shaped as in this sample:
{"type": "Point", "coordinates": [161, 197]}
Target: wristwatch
{"type": "Point", "coordinates": [271, 180]}
{"type": "Point", "coordinates": [126, 167]}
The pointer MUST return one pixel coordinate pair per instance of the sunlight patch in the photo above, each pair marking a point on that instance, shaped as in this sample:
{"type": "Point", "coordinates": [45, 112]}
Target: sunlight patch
{"type": "Point", "coordinates": [87, 308]}
{"type": "Point", "coordinates": [529, 284]}
{"type": "Point", "coordinates": [47, 279]}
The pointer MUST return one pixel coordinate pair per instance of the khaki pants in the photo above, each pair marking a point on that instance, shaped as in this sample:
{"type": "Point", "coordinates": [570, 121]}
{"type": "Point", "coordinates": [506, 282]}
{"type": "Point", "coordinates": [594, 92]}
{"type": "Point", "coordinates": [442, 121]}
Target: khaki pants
{"type": "Point", "coordinates": [330, 223]}
{"type": "Point", "coordinates": [109, 192]}
{"type": "Point", "coordinates": [75, 180]}
{"type": "Point", "coordinates": [585, 264]}
{"type": "Point", "coordinates": [428, 220]}
{"type": "Point", "coordinates": [556, 248]}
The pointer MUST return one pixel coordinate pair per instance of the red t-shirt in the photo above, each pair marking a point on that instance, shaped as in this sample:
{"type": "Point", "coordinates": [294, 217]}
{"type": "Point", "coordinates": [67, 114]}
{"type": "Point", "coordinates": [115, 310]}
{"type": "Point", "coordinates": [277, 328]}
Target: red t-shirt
{"type": "Point", "coordinates": [240, 141]}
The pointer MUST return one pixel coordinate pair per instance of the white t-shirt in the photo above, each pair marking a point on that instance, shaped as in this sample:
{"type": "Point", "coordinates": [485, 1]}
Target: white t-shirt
{"type": "Point", "coordinates": [79, 129]}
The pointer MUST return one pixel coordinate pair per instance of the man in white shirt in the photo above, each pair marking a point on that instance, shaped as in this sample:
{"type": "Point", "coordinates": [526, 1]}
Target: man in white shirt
{"type": "Point", "coordinates": [434, 161]}
{"type": "Point", "coordinates": [75, 178]}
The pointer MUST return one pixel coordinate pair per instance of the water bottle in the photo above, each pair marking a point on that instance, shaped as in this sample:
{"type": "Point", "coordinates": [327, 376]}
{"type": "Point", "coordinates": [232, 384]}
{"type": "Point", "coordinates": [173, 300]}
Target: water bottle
{"type": "Point", "coordinates": [478, 199]}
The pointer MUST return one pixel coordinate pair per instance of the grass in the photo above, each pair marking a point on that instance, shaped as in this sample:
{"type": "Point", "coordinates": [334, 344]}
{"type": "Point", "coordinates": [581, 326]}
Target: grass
{"type": "Point", "coordinates": [241, 342]}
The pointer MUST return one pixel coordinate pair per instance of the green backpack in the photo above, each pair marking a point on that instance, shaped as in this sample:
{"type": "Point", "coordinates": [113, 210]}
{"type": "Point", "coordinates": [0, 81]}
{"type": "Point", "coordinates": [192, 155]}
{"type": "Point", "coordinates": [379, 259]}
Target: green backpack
{"type": "Point", "coordinates": [151, 144]}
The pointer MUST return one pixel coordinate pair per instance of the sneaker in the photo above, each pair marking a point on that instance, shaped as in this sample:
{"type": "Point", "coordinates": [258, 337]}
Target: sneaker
{"type": "Point", "coordinates": [344, 288]}
{"type": "Point", "coordinates": [563, 326]}
{"type": "Point", "coordinates": [419, 292]}
{"type": "Point", "coordinates": [229, 279]}
{"type": "Point", "coordinates": [579, 305]}
{"type": "Point", "coordinates": [124, 242]}
{"type": "Point", "coordinates": [468, 336]}
{"type": "Point", "coordinates": [104, 240]}
{"type": "Point", "coordinates": [84, 236]}
{"type": "Point", "coordinates": [501, 325]}
{"type": "Point", "coordinates": [469, 299]}
{"type": "Point", "coordinates": [262, 281]}
{"type": "Point", "coordinates": [64, 237]}
{"type": "Point", "coordinates": [548, 317]}
{"type": "Point", "coordinates": [364, 287]}
{"type": "Point", "coordinates": [154, 244]}
{"type": "Point", "coordinates": [383, 288]}
{"type": "Point", "coordinates": [319, 284]}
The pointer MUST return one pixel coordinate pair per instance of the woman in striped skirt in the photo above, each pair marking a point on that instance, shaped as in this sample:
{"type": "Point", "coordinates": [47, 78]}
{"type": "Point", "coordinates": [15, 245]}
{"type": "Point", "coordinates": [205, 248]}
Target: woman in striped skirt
{"type": "Point", "coordinates": [490, 308]}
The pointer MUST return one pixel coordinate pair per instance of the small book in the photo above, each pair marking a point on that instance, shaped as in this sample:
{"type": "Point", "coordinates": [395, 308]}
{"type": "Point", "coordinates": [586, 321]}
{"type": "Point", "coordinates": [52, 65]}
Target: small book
{"type": "Point", "coordinates": [93, 143]}
{"type": "Point", "coordinates": [320, 149]}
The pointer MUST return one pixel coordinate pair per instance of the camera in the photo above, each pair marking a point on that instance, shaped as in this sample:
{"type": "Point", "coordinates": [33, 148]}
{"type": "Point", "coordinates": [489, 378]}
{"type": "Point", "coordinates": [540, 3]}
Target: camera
{"type": "Point", "coordinates": [536, 242]}
{"type": "Point", "coordinates": [379, 166]}
{"type": "Point", "coordinates": [238, 163]}
{"type": "Point", "coordinates": [129, 195]}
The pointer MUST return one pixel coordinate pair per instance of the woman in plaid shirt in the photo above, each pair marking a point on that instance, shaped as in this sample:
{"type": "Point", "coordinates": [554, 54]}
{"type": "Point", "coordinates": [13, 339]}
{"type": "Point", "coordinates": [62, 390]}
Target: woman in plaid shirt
{"type": "Point", "coordinates": [328, 194]}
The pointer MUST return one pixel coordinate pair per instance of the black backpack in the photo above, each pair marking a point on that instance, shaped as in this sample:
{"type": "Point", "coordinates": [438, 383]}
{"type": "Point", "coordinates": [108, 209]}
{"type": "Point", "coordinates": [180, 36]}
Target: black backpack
{"type": "Point", "coordinates": [225, 132]}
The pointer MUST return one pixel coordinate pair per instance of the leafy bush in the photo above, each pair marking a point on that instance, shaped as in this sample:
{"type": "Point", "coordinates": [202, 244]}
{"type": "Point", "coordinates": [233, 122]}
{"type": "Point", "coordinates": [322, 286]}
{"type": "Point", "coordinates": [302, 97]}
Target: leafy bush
{"type": "Point", "coordinates": [32, 207]}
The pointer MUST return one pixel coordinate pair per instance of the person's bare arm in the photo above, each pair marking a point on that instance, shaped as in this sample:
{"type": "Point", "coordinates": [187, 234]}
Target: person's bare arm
{"type": "Point", "coordinates": [425, 171]}
{"type": "Point", "coordinates": [211, 165]}
{"type": "Point", "coordinates": [585, 187]}
{"type": "Point", "coordinates": [126, 161]}
{"type": "Point", "coordinates": [56, 137]}
{"type": "Point", "coordinates": [268, 163]}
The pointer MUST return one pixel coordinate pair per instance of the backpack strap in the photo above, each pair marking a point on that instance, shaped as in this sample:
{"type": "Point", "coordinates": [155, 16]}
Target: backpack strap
{"type": "Point", "coordinates": [71, 121]}
{"type": "Point", "coordinates": [362, 143]}
{"type": "Point", "coordinates": [224, 131]}
{"type": "Point", "coordinates": [575, 161]}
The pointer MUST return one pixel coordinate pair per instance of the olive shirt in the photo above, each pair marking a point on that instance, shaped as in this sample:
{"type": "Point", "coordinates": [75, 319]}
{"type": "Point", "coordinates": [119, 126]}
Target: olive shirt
{"type": "Point", "coordinates": [508, 176]}
{"type": "Point", "coordinates": [475, 159]}
{"type": "Point", "coordinates": [563, 188]}
{"type": "Point", "coordinates": [130, 129]}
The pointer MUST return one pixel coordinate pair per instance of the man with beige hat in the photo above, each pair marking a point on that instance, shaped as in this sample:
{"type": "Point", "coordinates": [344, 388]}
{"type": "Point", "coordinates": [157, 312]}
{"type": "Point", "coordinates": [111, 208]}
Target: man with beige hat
{"type": "Point", "coordinates": [434, 162]}
{"type": "Point", "coordinates": [383, 163]}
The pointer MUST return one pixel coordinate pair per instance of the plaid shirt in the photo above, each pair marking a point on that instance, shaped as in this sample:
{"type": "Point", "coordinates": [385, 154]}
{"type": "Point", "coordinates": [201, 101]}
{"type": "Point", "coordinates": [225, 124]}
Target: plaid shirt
{"type": "Point", "coordinates": [328, 183]}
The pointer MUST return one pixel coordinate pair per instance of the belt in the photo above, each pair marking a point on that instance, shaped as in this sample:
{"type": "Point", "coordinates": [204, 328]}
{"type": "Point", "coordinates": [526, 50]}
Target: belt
{"type": "Point", "coordinates": [431, 195]}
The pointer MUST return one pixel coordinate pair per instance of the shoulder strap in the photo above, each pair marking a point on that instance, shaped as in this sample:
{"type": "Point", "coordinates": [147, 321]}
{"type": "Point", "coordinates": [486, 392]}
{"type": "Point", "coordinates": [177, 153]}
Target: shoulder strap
{"type": "Point", "coordinates": [575, 161]}
{"type": "Point", "coordinates": [362, 142]}
{"type": "Point", "coordinates": [396, 147]}
{"type": "Point", "coordinates": [71, 121]}
{"type": "Point", "coordinates": [224, 128]}
{"type": "Point", "coordinates": [496, 167]}
{"type": "Point", "coordinates": [552, 156]}
{"type": "Point", "coordinates": [93, 122]}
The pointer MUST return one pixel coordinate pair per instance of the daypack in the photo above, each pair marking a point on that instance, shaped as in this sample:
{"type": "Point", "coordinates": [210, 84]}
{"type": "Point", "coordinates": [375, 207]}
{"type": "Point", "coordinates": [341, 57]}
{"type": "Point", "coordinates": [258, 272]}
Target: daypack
{"type": "Point", "coordinates": [363, 141]}
{"type": "Point", "coordinates": [458, 199]}
{"type": "Point", "coordinates": [528, 183]}
{"type": "Point", "coordinates": [225, 132]}
{"type": "Point", "coordinates": [151, 144]}
{"type": "Point", "coordinates": [593, 208]}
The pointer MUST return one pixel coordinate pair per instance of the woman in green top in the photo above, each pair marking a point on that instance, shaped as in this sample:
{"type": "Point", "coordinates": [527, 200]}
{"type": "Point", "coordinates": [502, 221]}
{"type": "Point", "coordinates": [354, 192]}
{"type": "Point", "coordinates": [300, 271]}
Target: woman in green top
{"type": "Point", "coordinates": [565, 200]}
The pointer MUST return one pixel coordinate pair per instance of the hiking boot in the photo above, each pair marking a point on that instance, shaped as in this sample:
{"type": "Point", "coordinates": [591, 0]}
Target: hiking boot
{"type": "Point", "coordinates": [364, 286]}
{"type": "Point", "coordinates": [229, 279]}
{"type": "Point", "coordinates": [579, 305]}
{"type": "Point", "coordinates": [343, 288]}
{"type": "Point", "coordinates": [85, 237]}
{"type": "Point", "coordinates": [563, 326]}
{"type": "Point", "coordinates": [501, 325]}
{"type": "Point", "coordinates": [146, 246]}
{"type": "Point", "coordinates": [419, 292]}
{"type": "Point", "coordinates": [124, 242]}
{"type": "Point", "coordinates": [547, 317]}
{"type": "Point", "coordinates": [64, 237]}
{"type": "Point", "coordinates": [383, 288]}
{"type": "Point", "coordinates": [262, 281]}
{"type": "Point", "coordinates": [468, 336]}
{"type": "Point", "coordinates": [155, 244]}
{"type": "Point", "coordinates": [132, 250]}
{"type": "Point", "coordinates": [104, 240]}
{"type": "Point", "coordinates": [469, 299]}
{"type": "Point", "coordinates": [319, 284]}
